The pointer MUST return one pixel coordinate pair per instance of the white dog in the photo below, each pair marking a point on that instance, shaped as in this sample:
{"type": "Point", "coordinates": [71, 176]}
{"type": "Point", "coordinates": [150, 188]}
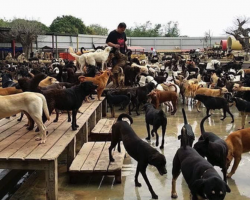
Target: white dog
{"type": "Point", "coordinates": [91, 58]}
{"type": "Point", "coordinates": [32, 104]}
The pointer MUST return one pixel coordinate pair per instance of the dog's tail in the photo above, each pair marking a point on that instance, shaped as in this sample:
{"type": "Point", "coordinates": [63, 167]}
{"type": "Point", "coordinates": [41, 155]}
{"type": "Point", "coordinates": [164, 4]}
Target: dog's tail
{"type": "Point", "coordinates": [202, 124]}
{"type": "Point", "coordinates": [45, 106]}
{"type": "Point", "coordinates": [184, 116]}
{"type": "Point", "coordinates": [123, 115]}
{"type": "Point", "coordinates": [72, 53]}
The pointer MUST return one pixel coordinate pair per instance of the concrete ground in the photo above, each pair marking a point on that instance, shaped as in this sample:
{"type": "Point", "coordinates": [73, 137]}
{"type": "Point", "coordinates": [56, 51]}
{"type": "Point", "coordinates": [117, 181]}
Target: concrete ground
{"type": "Point", "coordinates": [103, 188]}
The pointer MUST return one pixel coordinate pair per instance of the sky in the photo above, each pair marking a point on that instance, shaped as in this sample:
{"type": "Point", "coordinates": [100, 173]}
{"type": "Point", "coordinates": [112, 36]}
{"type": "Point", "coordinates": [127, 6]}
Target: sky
{"type": "Point", "coordinates": [195, 17]}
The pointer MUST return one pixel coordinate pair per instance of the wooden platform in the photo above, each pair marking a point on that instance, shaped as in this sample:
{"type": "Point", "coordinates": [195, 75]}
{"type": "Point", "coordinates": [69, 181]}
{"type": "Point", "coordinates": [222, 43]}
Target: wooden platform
{"type": "Point", "coordinates": [93, 158]}
{"type": "Point", "coordinates": [20, 150]}
{"type": "Point", "coordinates": [102, 130]}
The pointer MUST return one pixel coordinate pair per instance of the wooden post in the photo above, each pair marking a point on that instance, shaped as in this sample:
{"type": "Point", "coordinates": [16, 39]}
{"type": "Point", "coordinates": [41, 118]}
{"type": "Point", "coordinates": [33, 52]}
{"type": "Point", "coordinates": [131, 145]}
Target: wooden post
{"type": "Point", "coordinates": [84, 135]}
{"type": "Point", "coordinates": [98, 113]}
{"type": "Point", "coordinates": [92, 122]}
{"type": "Point", "coordinates": [51, 176]}
{"type": "Point", "coordinates": [104, 107]}
{"type": "Point", "coordinates": [71, 154]}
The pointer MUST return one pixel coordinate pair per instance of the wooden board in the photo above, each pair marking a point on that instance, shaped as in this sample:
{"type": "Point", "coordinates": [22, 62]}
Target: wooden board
{"type": "Point", "coordinates": [5, 121]}
{"type": "Point", "coordinates": [81, 156]}
{"type": "Point", "coordinates": [93, 157]}
{"type": "Point", "coordinates": [108, 125]}
{"type": "Point", "coordinates": [98, 127]}
{"type": "Point", "coordinates": [10, 124]}
{"type": "Point", "coordinates": [119, 157]}
{"type": "Point", "coordinates": [103, 162]}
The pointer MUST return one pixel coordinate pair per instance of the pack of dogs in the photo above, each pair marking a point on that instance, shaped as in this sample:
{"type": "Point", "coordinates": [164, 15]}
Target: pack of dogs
{"type": "Point", "coordinates": [137, 87]}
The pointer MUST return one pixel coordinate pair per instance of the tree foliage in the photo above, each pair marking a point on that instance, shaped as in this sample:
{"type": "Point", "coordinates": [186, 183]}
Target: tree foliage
{"type": "Point", "coordinates": [69, 24]}
{"type": "Point", "coordinates": [241, 31]}
{"type": "Point", "coordinates": [96, 29]}
{"type": "Point", "coordinates": [148, 30]}
{"type": "Point", "coordinates": [4, 23]}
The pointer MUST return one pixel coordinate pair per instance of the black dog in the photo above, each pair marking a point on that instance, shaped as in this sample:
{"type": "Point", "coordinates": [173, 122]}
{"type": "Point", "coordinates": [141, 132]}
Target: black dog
{"type": "Point", "coordinates": [122, 100]}
{"type": "Point", "coordinates": [141, 151]}
{"type": "Point", "coordinates": [202, 179]}
{"type": "Point", "coordinates": [186, 131]}
{"type": "Point", "coordinates": [212, 147]}
{"type": "Point", "coordinates": [156, 118]}
{"type": "Point", "coordinates": [215, 103]}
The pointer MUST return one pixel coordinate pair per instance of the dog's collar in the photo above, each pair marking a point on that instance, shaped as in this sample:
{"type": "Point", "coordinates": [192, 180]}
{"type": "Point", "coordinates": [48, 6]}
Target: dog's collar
{"type": "Point", "coordinates": [204, 173]}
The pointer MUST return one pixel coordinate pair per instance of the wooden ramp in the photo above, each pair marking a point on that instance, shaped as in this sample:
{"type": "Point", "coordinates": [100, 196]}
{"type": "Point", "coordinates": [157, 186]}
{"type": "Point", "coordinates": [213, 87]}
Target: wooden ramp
{"type": "Point", "coordinates": [102, 130]}
{"type": "Point", "coordinates": [19, 149]}
{"type": "Point", "coordinates": [93, 158]}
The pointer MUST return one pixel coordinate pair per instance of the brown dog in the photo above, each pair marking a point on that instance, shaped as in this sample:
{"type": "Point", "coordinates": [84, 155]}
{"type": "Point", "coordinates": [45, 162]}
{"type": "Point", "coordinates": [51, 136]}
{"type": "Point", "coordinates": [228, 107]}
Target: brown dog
{"type": "Point", "coordinates": [238, 142]}
{"type": "Point", "coordinates": [159, 97]}
{"type": "Point", "coordinates": [9, 91]}
{"type": "Point", "coordinates": [99, 80]}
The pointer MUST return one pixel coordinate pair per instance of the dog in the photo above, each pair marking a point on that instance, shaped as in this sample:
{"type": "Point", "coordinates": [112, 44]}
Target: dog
{"type": "Point", "coordinates": [141, 151]}
{"type": "Point", "coordinates": [237, 143]}
{"type": "Point", "coordinates": [32, 104]}
{"type": "Point", "coordinates": [122, 100]}
{"type": "Point", "coordinates": [243, 107]}
{"type": "Point", "coordinates": [48, 81]}
{"type": "Point", "coordinates": [189, 133]}
{"type": "Point", "coordinates": [159, 97]}
{"type": "Point", "coordinates": [131, 73]}
{"type": "Point", "coordinates": [99, 80]}
{"type": "Point", "coordinates": [9, 91]}
{"type": "Point", "coordinates": [213, 148]}
{"type": "Point", "coordinates": [201, 177]}
{"type": "Point", "coordinates": [210, 92]}
{"type": "Point", "coordinates": [215, 103]}
{"type": "Point", "coordinates": [156, 118]}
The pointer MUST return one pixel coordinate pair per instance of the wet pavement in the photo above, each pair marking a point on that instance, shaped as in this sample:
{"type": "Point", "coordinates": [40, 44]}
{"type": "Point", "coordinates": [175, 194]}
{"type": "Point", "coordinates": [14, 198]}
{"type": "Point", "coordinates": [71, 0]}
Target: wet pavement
{"type": "Point", "coordinates": [104, 188]}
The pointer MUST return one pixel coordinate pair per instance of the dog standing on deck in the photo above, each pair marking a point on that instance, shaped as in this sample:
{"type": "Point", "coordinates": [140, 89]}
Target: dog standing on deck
{"type": "Point", "coordinates": [141, 151]}
{"type": "Point", "coordinates": [32, 104]}
{"type": "Point", "coordinates": [201, 177]}
{"type": "Point", "coordinates": [156, 118]}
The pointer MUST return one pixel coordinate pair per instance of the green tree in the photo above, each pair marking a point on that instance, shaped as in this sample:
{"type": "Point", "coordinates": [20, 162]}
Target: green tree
{"type": "Point", "coordinates": [4, 23]}
{"type": "Point", "coordinates": [69, 24]}
{"type": "Point", "coordinates": [171, 29]}
{"type": "Point", "coordinates": [144, 30]}
{"type": "Point", "coordinates": [98, 30]}
{"type": "Point", "coordinates": [25, 32]}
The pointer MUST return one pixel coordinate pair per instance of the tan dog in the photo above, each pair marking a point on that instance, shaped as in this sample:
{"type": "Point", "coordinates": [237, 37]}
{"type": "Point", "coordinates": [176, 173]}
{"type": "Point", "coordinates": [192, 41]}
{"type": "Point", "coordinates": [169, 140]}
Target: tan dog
{"type": "Point", "coordinates": [32, 104]}
{"type": "Point", "coordinates": [210, 92]}
{"type": "Point", "coordinates": [238, 87]}
{"type": "Point", "coordinates": [99, 80]}
{"type": "Point", "coordinates": [9, 91]}
{"type": "Point", "coordinates": [214, 78]}
{"type": "Point", "coordinates": [238, 143]}
{"type": "Point", "coordinates": [48, 81]}
{"type": "Point", "coordinates": [159, 97]}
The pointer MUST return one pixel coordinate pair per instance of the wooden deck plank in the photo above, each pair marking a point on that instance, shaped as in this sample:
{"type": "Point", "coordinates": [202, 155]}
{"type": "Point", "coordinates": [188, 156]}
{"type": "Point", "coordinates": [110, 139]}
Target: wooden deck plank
{"type": "Point", "coordinates": [119, 158]}
{"type": "Point", "coordinates": [10, 124]}
{"type": "Point", "coordinates": [5, 121]}
{"type": "Point", "coordinates": [14, 147]}
{"type": "Point", "coordinates": [15, 126]}
{"type": "Point", "coordinates": [98, 127]}
{"type": "Point", "coordinates": [35, 150]}
{"type": "Point", "coordinates": [81, 157]}
{"type": "Point", "coordinates": [93, 157]}
{"type": "Point", "coordinates": [84, 107]}
{"type": "Point", "coordinates": [103, 162]}
{"type": "Point", "coordinates": [108, 125]}
{"type": "Point", "coordinates": [63, 142]}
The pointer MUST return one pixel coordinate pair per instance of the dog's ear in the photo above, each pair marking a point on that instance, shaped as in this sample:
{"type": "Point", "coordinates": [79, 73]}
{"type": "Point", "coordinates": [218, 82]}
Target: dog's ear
{"type": "Point", "coordinates": [228, 188]}
{"type": "Point", "coordinates": [81, 78]}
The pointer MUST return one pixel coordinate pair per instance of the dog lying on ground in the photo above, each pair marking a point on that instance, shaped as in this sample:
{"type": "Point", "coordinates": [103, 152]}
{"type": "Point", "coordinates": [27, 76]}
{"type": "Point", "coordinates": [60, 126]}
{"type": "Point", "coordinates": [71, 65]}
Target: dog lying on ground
{"type": "Point", "coordinates": [215, 103]}
{"type": "Point", "coordinates": [201, 177]}
{"type": "Point", "coordinates": [32, 104]}
{"type": "Point", "coordinates": [210, 92]}
{"type": "Point", "coordinates": [141, 151]}
{"type": "Point", "coordinates": [238, 143]}
{"type": "Point", "coordinates": [112, 100]}
{"type": "Point", "coordinates": [189, 134]}
{"type": "Point", "coordinates": [99, 80]}
{"type": "Point", "coordinates": [159, 97]}
{"type": "Point", "coordinates": [213, 148]}
{"type": "Point", "coordinates": [156, 118]}
{"type": "Point", "coordinates": [243, 107]}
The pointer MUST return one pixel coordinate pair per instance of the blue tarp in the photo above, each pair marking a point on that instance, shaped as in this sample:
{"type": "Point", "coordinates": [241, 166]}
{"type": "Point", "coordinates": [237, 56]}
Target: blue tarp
{"type": "Point", "coordinates": [9, 49]}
